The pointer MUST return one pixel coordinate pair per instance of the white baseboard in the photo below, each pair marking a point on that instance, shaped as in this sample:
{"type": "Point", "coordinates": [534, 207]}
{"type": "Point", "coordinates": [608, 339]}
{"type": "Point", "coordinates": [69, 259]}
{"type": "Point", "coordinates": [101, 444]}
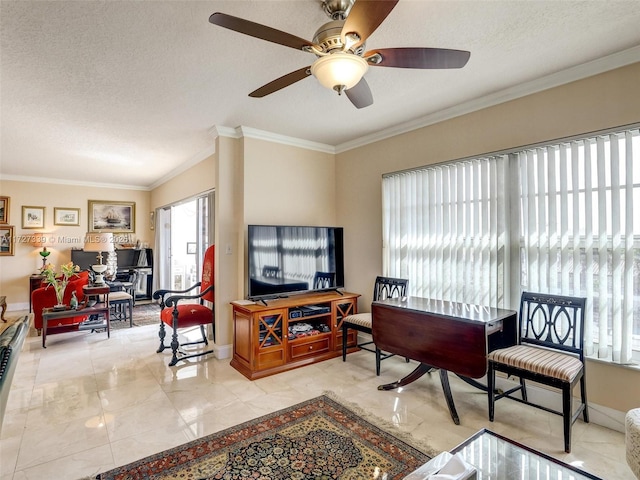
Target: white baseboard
{"type": "Point", "coordinates": [12, 307]}
{"type": "Point", "coordinates": [223, 351]}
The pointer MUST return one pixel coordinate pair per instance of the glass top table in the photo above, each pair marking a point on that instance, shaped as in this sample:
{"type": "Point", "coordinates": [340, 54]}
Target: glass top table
{"type": "Point", "coordinates": [498, 458]}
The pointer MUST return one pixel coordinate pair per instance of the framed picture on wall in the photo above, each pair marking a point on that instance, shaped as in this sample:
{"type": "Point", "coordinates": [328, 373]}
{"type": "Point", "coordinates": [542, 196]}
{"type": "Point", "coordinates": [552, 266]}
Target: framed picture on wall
{"type": "Point", "coordinates": [4, 210]}
{"type": "Point", "coordinates": [110, 216]}
{"type": "Point", "coordinates": [66, 216]}
{"type": "Point", "coordinates": [7, 240]}
{"type": "Point", "coordinates": [32, 217]}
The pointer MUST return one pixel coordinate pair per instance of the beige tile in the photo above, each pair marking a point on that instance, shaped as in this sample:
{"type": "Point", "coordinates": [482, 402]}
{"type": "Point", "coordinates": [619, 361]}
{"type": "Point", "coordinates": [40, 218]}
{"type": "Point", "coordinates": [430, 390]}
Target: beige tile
{"type": "Point", "coordinates": [87, 463]}
{"type": "Point", "coordinates": [44, 444]}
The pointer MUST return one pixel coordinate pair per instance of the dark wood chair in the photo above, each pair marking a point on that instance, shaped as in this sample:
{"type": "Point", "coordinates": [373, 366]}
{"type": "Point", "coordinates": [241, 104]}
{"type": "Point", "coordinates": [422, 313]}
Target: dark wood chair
{"type": "Point", "coordinates": [385, 287]}
{"type": "Point", "coordinates": [324, 280]}
{"type": "Point", "coordinates": [188, 315]}
{"type": "Point", "coordinates": [550, 351]}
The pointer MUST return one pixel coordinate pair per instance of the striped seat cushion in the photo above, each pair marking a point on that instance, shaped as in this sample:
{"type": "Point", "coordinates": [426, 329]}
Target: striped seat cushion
{"type": "Point", "coordinates": [539, 360]}
{"type": "Point", "coordinates": [360, 319]}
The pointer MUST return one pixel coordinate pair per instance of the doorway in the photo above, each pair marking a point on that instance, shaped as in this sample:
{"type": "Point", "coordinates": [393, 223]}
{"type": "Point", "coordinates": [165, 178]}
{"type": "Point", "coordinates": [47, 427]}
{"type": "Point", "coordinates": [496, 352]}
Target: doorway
{"type": "Point", "coordinates": [185, 231]}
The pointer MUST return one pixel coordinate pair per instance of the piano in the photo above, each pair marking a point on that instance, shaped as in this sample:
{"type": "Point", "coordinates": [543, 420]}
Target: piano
{"type": "Point", "coordinates": [448, 336]}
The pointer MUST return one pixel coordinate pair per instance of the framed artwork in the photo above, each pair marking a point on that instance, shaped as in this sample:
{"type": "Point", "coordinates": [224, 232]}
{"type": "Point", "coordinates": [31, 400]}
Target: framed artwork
{"type": "Point", "coordinates": [191, 247]}
{"type": "Point", "coordinates": [7, 240]}
{"type": "Point", "coordinates": [108, 216]}
{"type": "Point", "coordinates": [32, 217]}
{"type": "Point", "coordinates": [4, 210]}
{"type": "Point", "coordinates": [66, 216]}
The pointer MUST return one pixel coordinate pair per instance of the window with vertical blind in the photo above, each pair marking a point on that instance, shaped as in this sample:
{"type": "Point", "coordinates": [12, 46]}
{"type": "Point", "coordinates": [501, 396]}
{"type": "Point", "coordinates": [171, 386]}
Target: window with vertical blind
{"type": "Point", "coordinates": [444, 229]}
{"type": "Point", "coordinates": [566, 207]}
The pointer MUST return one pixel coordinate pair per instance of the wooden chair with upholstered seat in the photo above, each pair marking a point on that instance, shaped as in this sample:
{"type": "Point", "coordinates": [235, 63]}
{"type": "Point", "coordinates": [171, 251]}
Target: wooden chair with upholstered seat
{"type": "Point", "coordinates": [385, 287]}
{"type": "Point", "coordinates": [550, 351]}
{"type": "Point", "coordinates": [189, 315]}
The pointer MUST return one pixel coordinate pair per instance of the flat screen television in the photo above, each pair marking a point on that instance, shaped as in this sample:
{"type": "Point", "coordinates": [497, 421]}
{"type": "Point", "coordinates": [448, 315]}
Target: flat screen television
{"type": "Point", "coordinates": [284, 260]}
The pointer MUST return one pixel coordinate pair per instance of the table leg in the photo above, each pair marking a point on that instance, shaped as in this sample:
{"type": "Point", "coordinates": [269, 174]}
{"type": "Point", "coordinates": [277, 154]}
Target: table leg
{"type": "Point", "coordinates": [4, 309]}
{"type": "Point", "coordinates": [444, 379]}
{"type": "Point", "coordinates": [419, 371]}
{"type": "Point", "coordinates": [44, 332]}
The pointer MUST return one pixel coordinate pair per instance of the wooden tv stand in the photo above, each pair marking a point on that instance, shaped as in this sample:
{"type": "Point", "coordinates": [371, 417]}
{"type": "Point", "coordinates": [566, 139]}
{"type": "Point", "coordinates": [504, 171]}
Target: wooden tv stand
{"type": "Point", "coordinates": [275, 337]}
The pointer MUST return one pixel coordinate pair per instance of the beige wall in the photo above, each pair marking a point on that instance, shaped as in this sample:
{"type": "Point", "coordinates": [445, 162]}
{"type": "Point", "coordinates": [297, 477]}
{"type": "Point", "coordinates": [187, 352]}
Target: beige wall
{"type": "Point", "coordinates": [287, 185]}
{"type": "Point", "coordinates": [596, 103]}
{"type": "Point", "coordinates": [197, 179]}
{"type": "Point", "coordinates": [15, 270]}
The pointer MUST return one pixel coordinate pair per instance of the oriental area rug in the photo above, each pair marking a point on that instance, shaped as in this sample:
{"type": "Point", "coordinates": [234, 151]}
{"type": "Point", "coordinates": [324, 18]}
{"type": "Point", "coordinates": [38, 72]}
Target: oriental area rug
{"type": "Point", "coordinates": [316, 439]}
{"type": "Point", "coordinates": [143, 314]}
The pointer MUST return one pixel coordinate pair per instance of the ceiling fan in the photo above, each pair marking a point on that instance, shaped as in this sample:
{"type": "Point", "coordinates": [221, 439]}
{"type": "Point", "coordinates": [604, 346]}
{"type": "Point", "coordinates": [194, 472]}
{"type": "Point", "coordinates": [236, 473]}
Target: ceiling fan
{"type": "Point", "coordinates": [340, 47]}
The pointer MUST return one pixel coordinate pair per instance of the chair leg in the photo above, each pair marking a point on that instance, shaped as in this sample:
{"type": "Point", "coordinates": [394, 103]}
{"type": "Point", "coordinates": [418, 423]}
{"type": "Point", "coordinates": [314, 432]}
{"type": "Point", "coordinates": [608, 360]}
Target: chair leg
{"type": "Point", "coordinates": [204, 335]}
{"type": "Point", "coordinates": [378, 360]}
{"type": "Point", "coordinates": [583, 394]}
{"type": "Point", "coordinates": [174, 348]}
{"type": "Point", "coordinates": [491, 383]}
{"type": "Point", "coordinates": [523, 389]}
{"type": "Point", "coordinates": [131, 313]}
{"type": "Point", "coordinates": [345, 333]}
{"type": "Point", "coordinates": [161, 333]}
{"type": "Point", "coordinates": [567, 413]}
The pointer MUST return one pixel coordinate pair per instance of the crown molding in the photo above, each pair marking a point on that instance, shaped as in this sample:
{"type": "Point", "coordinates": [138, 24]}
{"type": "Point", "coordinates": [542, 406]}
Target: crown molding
{"type": "Point", "coordinates": [76, 183]}
{"type": "Point", "coordinates": [578, 72]}
{"type": "Point", "coordinates": [249, 132]}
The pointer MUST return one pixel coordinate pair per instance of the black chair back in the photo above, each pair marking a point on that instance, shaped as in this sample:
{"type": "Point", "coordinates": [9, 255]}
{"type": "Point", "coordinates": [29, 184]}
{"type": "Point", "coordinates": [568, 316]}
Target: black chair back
{"type": "Point", "coordinates": [270, 271]}
{"type": "Point", "coordinates": [553, 321]}
{"type": "Point", "coordinates": [324, 280]}
{"type": "Point", "coordinates": [387, 287]}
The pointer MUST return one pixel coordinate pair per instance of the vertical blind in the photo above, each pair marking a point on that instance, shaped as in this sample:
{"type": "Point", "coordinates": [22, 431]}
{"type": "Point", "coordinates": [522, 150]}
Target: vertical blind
{"type": "Point", "coordinates": [444, 228]}
{"type": "Point", "coordinates": [577, 232]}
{"type": "Point", "coordinates": [567, 208]}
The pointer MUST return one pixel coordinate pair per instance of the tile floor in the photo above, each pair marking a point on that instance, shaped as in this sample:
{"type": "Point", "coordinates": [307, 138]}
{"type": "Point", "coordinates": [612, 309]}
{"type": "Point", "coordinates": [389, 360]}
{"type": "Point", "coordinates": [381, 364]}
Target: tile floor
{"type": "Point", "coordinates": [87, 404]}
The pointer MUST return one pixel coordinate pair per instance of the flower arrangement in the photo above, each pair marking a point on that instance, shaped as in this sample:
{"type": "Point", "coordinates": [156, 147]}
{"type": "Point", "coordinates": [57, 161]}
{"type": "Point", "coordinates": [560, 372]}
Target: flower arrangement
{"type": "Point", "coordinates": [59, 284]}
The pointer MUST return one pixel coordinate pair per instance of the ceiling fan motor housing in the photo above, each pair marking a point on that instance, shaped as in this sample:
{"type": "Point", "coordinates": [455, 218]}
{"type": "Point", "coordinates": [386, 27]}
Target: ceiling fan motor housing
{"type": "Point", "coordinates": [328, 38]}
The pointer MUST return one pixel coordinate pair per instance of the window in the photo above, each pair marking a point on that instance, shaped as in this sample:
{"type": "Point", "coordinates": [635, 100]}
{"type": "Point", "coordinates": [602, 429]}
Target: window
{"type": "Point", "coordinates": [568, 210]}
{"type": "Point", "coordinates": [444, 229]}
{"type": "Point", "coordinates": [579, 232]}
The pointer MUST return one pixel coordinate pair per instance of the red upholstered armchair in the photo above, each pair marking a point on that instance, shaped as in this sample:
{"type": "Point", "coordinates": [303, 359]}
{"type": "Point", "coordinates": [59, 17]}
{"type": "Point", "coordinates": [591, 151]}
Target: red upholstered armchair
{"type": "Point", "coordinates": [45, 297]}
{"type": "Point", "coordinates": [191, 314]}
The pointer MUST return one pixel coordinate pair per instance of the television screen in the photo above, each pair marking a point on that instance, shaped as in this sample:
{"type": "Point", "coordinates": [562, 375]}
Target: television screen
{"type": "Point", "coordinates": [289, 259]}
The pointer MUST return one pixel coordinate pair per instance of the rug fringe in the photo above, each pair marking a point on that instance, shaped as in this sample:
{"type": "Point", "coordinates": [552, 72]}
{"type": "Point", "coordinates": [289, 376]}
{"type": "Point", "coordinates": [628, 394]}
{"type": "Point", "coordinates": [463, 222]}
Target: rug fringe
{"type": "Point", "coordinates": [383, 424]}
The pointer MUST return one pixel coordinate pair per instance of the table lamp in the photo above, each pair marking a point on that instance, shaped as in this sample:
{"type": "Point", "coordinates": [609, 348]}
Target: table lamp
{"type": "Point", "coordinates": [39, 240]}
{"type": "Point", "coordinates": [99, 242]}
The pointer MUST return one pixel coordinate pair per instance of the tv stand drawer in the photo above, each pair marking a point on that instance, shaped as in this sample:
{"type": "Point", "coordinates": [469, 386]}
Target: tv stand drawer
{"type": "Point", "coordinates": [311, 347]}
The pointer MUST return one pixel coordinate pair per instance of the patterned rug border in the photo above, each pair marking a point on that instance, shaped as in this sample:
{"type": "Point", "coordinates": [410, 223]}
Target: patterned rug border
{"type": "Point", "coordinates": [328, 396]}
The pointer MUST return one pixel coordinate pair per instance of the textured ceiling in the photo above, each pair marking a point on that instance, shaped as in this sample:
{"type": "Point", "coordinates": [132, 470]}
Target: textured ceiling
{"type": "Point", "coordinates": [125, 92]}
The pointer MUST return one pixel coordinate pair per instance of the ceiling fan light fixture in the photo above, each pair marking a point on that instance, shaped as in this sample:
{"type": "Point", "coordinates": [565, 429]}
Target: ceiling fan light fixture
{"type": "Point", "coordinates": [339, 71]}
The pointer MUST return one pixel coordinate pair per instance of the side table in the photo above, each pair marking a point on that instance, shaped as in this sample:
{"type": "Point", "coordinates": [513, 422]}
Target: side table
{"type": "Point", "coordinates": [101, 308]}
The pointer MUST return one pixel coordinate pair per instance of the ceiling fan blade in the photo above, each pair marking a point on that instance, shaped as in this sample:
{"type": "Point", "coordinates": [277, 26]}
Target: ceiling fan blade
{"type": "Point", "coordinates": [360, 94]}
{"type": "Point", "coordinates": [259, 31]}
{"type": "Point", "coordinates": [365, 16]}
{"type": "Point", "coordinates": [419, 57]}
{"type": "Point", "coordinates": [280, 83]}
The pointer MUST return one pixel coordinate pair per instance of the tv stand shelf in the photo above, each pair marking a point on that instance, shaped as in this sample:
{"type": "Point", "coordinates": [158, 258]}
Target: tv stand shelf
{"type": "Point", "coordinates": [287, 332]}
